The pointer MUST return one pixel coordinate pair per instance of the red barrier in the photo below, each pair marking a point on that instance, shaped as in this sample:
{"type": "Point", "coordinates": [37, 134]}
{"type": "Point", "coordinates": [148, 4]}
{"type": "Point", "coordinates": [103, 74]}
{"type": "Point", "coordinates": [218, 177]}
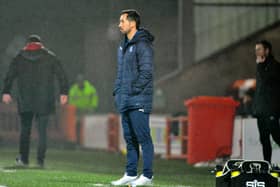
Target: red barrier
{"type": "Point", "coordinates": [9, 123]}
{"type": "Point", "coordinates": [210, 127]}
{"type": "Point", "coordinates": [182, 136]}
{"type": "Point", "coordinates": [113, 127]}
{"type": "Point", "coordinates": [68, 122]}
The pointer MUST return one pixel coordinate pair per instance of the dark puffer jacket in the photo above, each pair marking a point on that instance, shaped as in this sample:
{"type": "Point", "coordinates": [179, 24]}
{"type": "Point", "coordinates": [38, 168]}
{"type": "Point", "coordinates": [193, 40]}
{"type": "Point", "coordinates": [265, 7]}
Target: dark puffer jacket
{"type": "Point", "coordinates": [35, 69]}
{"type": "Point", "coordinates": [134, 82]}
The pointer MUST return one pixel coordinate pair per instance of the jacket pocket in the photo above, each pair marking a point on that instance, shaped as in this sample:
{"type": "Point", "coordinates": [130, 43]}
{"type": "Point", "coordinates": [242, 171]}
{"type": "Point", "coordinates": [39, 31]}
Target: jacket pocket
{"type": "Point", "coordinates": [135, 90]}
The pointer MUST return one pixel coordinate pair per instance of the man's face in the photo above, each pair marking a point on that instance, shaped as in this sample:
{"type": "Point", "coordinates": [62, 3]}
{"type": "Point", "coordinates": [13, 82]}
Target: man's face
{"type": "Point", "coordinates": [261, 51]}
{"type": "Point", "coordinates": [125, 25]}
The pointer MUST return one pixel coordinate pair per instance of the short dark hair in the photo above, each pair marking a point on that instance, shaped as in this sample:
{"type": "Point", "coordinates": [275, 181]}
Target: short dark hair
{"type": "Point", "coordinates": [266, 44]}
{"type": "Point", "coordinates": [33, 38]}
{"type": "Point", "coordinates": [132, 15]}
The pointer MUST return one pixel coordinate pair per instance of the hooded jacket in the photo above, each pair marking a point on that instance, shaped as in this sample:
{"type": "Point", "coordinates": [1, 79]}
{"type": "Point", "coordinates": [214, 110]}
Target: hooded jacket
{"type": "Point", "coordinates": [134, 82]}
{"type": "Point", "coordinates": [35, 69]}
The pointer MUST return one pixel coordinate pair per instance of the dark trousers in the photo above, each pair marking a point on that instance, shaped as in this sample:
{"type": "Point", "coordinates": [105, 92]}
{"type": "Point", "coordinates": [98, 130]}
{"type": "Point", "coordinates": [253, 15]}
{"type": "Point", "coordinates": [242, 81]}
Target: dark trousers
{"type": "Point", "coordinates": [268, 126]}
{"type": "Point", "coordinates": [26, 126]}
{"type": "Point", "coordinates": [136, 132]}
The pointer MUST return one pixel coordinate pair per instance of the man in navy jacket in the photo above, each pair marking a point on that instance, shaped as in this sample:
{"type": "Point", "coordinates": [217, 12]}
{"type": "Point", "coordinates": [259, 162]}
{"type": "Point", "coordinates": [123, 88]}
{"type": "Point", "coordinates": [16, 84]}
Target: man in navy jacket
{"type": "Point", "coordinates": [133, 96]}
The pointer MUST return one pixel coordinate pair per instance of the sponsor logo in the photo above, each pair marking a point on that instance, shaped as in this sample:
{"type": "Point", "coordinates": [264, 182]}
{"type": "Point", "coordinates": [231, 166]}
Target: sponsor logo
{"type": "Point", "coordinates": [255, 183]}
{"type": "Point", "coordinates": [141, 110]}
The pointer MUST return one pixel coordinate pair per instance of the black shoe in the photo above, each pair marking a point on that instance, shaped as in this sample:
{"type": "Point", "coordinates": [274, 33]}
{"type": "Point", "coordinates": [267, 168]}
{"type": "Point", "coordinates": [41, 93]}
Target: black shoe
{"type": "Point", "coordinates": [20, 162]}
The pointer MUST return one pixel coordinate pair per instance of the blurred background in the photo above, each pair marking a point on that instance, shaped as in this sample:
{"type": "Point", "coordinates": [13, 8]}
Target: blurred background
{"type": "Point", "coordinates": [202, 48]}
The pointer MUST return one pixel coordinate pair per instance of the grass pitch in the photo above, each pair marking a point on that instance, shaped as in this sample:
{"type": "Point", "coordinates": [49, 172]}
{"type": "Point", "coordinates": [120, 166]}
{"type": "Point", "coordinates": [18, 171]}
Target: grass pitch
{"type": "Point", "coordinates": [89, 168]}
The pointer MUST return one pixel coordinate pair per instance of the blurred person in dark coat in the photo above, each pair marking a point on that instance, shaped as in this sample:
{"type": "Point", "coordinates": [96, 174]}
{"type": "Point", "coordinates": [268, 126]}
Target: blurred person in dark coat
{"type": "Point", "coordinates": [35, 69]}
{"type": "Point", "coordinates": [266, 106]}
